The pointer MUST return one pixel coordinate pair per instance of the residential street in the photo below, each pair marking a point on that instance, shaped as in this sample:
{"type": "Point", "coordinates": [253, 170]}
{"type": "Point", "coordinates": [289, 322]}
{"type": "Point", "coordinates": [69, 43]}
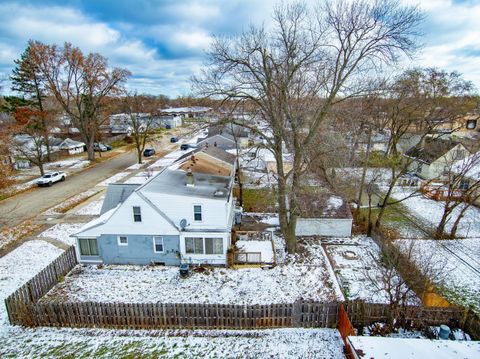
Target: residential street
{"type": "Point", "coordinates": [31, 203]}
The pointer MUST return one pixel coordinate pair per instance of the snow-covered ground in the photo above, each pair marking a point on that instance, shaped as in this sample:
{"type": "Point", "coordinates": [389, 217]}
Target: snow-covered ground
{"type": "Point", "coordinates": [282, 284]}
{"type": "Point", "coordinates": [24, 262]}
{"type": "Point", "coordinates": [62, 232]}
{"type": "Point", "coordinates": [356, 265]}
{"type": "Point", "coordinates": [20, 265]}
{"type": "Point", "coordinates": [91, 209]}
{"type": "Point", "coordinates": [431, 211]}
{"type": "Point", "coordinates": [100, 343]}
{"type": "Point", "coordinates": [460, 261]}
{"type": "Point", "coordinates": [115, 178]}
{"type": "Point", "coordinates": [74, 163]}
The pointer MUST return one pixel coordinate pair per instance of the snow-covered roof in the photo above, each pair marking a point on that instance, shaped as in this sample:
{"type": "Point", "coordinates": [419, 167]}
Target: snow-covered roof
{"type": "Point", "coordinates": [68, 143]}
{"type": "Point", "coordinates": [469, 166]}
{"type": "Point", "coordinates": [175, 182]}
{"type": "Point", "coordinates": [97, 221]}
{"type": "Point", "coordinates": [193, 109]}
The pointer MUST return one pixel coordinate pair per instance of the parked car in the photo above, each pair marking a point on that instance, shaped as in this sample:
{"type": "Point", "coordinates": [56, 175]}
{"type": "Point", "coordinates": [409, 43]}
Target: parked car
{"type": "Point", "coordinates": [148, 152]}
{"type": "Point", "coordinates": [173, 139]}
{"type": "Point", "coordinates": [50, 178]}
{"type": "Point", "coordinates": [100, 147]}
{"type": "Point", "coordinates": [186, 146]}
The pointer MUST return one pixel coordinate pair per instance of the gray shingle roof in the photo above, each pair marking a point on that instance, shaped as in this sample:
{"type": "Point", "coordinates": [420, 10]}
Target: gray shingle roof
{"type": "Point", "coordinates": [117, 193]}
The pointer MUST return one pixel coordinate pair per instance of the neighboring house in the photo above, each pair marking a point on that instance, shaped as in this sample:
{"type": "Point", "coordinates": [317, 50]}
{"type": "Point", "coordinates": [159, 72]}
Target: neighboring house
{"type": "Point", "coordinates": [183, 215]}
{"type": "Point", "coordinates": [324, 214]}
{"type": "Point", "coordinates": [71, 147]}
{"type": "Point", "coordinates": [187, 112]}
{"type": "Point", "coordinates": [469, 169]}
{"type": "Point", "coordinates": [433, 157]}
{"type": "Point", "coordinates": [224, 141]}
{"type": "Point", "coordinates": [120, 123]}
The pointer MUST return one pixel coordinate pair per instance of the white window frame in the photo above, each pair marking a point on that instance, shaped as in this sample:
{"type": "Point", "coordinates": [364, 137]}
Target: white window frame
{"type": "Point", "coordinates": [155, 247]}
{"type": "Point", "coordinates": [201, 213]}
{"type": "Point", "coordinates": [120, 243]}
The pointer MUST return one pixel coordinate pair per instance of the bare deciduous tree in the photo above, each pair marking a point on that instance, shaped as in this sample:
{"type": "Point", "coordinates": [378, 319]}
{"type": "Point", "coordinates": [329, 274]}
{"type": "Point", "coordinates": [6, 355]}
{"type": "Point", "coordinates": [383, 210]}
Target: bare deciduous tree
{"type": "Point", "coordinates": [140, 111]}
{"type": "Point", "coordinates": [80, 83]}
{"type": "Point", "coordinates": [293, 74]}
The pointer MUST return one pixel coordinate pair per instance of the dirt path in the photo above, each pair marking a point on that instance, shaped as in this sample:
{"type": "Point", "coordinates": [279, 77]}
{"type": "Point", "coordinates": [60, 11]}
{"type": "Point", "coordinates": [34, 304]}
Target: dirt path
{"type": "Point", "coordinates": [29, 204]}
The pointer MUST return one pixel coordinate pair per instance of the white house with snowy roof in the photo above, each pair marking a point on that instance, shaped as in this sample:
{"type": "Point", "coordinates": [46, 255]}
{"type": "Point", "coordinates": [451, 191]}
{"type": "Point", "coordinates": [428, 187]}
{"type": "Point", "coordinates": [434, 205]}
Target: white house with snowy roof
{"type": "Point", "coordinates": [182, 215]}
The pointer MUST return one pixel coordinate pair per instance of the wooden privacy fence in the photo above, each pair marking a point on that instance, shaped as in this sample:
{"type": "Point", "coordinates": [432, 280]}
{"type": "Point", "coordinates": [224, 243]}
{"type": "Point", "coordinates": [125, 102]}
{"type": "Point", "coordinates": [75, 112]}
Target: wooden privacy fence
{"type": "Point", "coordinates": [175, 315]}
{"type": "Point", "coordinates": [19, 302]}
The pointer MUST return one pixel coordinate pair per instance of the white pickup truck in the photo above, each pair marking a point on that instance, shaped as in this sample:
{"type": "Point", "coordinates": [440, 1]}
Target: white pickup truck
{"type": "Point", "coordinates": [50, 178]}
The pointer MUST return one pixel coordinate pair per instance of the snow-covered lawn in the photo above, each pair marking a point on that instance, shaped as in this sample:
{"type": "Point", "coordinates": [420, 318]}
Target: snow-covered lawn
{"type": "Point", "coordinates": [98, 343]}
{"type": "Point", "coordinates": [20, 265]}
{"type": "Point", "coordinates": [461, 281]}
{"type": "Point", "coordinates": [24, 262]}
{"type": "Point", "coordinates": [62, 232]}
{"type": "Point", "coordinates": [68, 164]}
{"type": "Point", "coordinates": [306, 276]}
{"type": "Point", "coordinates": [91, 209]}
{"type": "Point", "coordinates": [431, 211]}
{"type": "Point", "coordinates": [356, 266]}
{"type": "Point", "coordinates": [115, 178]}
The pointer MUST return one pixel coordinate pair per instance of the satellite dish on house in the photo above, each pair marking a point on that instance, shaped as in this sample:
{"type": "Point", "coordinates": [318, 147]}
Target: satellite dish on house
{"type": "Point", "coordinates": [183, 224]}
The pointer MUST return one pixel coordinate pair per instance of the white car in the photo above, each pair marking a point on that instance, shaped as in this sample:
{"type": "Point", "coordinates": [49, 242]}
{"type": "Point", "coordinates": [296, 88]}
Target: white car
{"type": "Point", "coordinates": [50, 178]}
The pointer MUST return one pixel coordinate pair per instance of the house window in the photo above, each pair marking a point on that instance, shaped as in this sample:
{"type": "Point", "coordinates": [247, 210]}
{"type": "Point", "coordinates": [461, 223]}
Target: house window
{"type": "Point", "coordinates": [471, 124]}
{"type": "Point", "coordinates": [194, 245]}
{"type": "Point", "coordinates": [137, 214]}
{"type": "Point", "coordinates": [88, 246]}
{"type": "Point", "coordinates": [197, 213]}
{"type": "Point", "coordinates": [464, 184]}
{"type": "Point", "coordinates": [213, 245]}
{"type": "Point", "coordinates": [122, 240]}
{"type": "Point", "coordinates": [158, 244]}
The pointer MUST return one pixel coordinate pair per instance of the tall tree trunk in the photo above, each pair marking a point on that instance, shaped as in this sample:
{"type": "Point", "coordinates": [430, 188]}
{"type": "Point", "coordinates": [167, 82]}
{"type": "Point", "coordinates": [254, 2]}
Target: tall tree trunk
{"type": "Point", "coordinates": [364, 171]}
{"type": "Point", "coordinates": [139, 155]}
{"type": "Point", "coordinates": [90, 150]}
{"type": "Point", "coordinates": [453, 231]}
{"type": "Point", "coordinates": [440, 231]}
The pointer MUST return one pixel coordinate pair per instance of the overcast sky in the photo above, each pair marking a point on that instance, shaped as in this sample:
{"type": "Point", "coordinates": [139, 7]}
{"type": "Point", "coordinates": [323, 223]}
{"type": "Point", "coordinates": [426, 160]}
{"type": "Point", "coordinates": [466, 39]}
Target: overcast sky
{"type": "Point", "coordinates": [162, 42]}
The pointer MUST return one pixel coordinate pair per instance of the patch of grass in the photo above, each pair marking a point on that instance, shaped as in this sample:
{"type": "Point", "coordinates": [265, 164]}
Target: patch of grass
{"type": "Point", "coordinates": [118, 143]}
{"type": "Point", "coordinates": [259, 200]}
